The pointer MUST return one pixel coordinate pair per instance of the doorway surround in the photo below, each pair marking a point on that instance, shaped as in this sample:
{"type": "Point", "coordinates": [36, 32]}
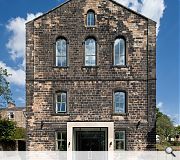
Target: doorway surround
{"type": "Point", "coordinates": [108, 125]}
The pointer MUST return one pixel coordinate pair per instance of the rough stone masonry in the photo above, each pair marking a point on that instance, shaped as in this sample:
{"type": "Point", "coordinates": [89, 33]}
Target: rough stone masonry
{"type": "Point", "coordinates": [90, 89]}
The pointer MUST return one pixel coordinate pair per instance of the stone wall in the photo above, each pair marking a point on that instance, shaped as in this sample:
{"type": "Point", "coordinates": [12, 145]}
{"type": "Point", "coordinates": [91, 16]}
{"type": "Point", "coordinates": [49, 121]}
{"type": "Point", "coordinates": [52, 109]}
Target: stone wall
{"type": "Point", "coordinates": [90, 89]}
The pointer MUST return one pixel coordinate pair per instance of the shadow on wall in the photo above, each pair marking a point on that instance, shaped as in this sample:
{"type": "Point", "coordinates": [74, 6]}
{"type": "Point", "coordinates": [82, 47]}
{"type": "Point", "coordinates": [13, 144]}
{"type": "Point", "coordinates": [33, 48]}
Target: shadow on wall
{"type": "Point", "coordinates": [151, 139]}
{"type": "Point", "coordinates": [16, 145]}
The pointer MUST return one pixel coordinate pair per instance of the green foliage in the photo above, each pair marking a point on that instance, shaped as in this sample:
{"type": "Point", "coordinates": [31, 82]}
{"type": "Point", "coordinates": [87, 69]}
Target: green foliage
{"type": "Point", "coordinates": [164, 126]}
{"type": "Point", "coordinates": [20, 133]}
{"type": "Point", "coordinates": [7, 130]}
{"type": "Point", "coordinates": [5, 93]}
{"type": "Point", "coordinates": [177, 130]}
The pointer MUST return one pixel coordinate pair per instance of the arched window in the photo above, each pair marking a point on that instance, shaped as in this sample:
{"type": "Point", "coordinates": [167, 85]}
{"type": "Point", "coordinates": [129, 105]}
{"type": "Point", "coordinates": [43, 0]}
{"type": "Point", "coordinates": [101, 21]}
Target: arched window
{"type": "Point", "coordinates": [90, 52]}
{"type": "Point", "coordinates": [90, 18]}
{"type": "Point", "coordinates": [119, 52]}
{"type": "Point", "coordinates": [61, 52]}
{"type": "Point", "coordinates": [119, 102]}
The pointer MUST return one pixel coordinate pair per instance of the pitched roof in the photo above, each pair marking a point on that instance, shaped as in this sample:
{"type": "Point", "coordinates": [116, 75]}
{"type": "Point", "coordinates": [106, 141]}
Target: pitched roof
{"type": "Point", "coordinates": [13, 109]}
{"type": "Point", "coordinates": [113, 1]}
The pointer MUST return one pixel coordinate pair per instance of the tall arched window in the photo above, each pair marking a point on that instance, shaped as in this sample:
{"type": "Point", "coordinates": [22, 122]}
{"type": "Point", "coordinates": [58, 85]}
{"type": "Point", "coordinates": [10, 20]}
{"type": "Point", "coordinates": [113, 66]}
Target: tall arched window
{"type": "Point", "coordinates": [119, 102]}
{"type": "Point", "coordinates": [90, 18]}
{"type": "Point", "coordinates": [119, 52]}
{"type": "Point", "coordinates": [61, 52]}
{"type": "Point", "coordinates": [90, 52]}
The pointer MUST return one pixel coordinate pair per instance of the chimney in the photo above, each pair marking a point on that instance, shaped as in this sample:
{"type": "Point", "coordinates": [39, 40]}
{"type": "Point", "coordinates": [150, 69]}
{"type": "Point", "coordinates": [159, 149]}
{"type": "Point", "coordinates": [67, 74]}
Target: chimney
{"type": "Point", "coordinates": [11, 105]}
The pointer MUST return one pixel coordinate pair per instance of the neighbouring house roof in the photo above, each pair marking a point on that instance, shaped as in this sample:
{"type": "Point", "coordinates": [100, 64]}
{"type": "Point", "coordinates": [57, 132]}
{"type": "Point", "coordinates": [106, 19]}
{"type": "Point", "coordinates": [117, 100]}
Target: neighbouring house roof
{"type": "Point", "coordinates": [113, 1]}
{"type": "Point", "coordinates": [12, 107]}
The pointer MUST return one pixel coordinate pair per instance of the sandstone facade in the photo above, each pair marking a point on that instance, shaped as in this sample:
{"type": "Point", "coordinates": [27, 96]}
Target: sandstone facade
{"type": "Point", "coordinates": [90, 89]}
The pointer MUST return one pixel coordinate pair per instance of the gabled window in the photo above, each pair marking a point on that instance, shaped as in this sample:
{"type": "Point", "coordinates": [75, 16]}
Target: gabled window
{"type": "Point", "coordinates": [61, 52]}
{"type": "Point", "coordinates": [120, 140]}
{"type": "Point", "coordinates": [90, 52]}
{"type": "Point", "coordinates": [61, 141]}
{"type": "Point", "coordinates": [61, 102]}
{"type": "Point", "coordinates": [119, 52]}
{"type": "Point", "coordinates": [90, 18]}
{"type": "Point", "coordinates": [119, 102]}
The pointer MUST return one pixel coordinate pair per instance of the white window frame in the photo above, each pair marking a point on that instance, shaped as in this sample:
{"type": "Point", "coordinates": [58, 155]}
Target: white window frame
{"type": "Point", "coordinates": [123, 140]}
{"type": "Point", "coordinates": [118, 41]}
{"type": "Point", "coordinates": [61, 94]}
{"type": "Point", "coordinates": [9, 115]}
{"type": "Point", "coordinates": [124, 102]}
{"type": "Point", "coordinates": [90, 55]}
{"type": "Point", "coordinates": [61, 139]}
{"type": "Point", "coordinates": [61, 57]}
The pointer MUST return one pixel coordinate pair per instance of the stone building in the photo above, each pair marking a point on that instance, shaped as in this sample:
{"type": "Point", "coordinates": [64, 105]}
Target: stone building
{"type": "Point", "coordinates": [13, 113]}
{"type": "Point", "coordinates": [91, 78]}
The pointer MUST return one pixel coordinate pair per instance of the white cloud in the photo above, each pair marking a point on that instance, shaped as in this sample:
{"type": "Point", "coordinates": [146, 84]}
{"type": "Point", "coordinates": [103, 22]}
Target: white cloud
{"type": "Point", "coordinates": [16, 42]}
{"type": "Point", "coordinates": [16, 47]}
{"type": "Point", "coordinates": [152, 9]}
{"type": "Point", "coordinates": [17, 77]}
{"type": "Point", "coordinates": [160, 105]}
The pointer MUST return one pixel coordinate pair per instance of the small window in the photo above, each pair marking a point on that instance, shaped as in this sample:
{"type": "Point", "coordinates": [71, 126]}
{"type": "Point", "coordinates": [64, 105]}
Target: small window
{"type": "Point", "coordinates": [61, 52]}
{"type": "Point", "coordinates": [119, 52]}
{"type": "Point", "coordinates": [11, 115]}
{"type": "Point", "coordinates": [61, 102]}
{"type": "Point", "coordinates": [61, 141]}
{"type": "Point", "coordinates": [90, 52]}
{"type": "Point", "coordinates": [90, 18]}
{"type": "Point", "coordinates": [120, 140]}
{"type": "Point", "coordinates": [119, 102]}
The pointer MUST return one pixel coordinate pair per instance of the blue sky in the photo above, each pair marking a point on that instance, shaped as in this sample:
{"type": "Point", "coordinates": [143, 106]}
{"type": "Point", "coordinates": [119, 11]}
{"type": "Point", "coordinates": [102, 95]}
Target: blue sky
{"type": "Point", "coordinates": [13, 15]}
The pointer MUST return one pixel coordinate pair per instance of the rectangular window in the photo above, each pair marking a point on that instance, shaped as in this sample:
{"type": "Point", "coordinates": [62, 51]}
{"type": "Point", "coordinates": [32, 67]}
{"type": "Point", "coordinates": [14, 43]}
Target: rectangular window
{"type": "Point", "coordinates": [61, 102]}
{"type": "Point", "coordinates": [120, 140]}
{"type": "Point", "coordinates": [119, 102]}
{"type": "Point", "coordinates": [90, 52]}
{"type": "Point", "coordinates": [61, 53]}
{"type": "Point", "coordinates": [61, 141]}
{"type": "Point", "coordinates": [11, 115]}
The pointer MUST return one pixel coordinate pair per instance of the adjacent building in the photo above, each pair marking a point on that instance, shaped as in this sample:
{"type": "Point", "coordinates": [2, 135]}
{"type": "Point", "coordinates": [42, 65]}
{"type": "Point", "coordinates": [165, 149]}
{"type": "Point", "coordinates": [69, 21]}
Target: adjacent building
{"type": "Point", "coordinates": [91, 78]}
{"type": "Point", "coordinates": [14, 113]}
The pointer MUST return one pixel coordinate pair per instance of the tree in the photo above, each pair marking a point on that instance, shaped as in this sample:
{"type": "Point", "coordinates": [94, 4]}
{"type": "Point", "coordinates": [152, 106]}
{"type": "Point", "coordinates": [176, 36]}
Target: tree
{"type": "Point", "coordinates": [7, 130]}
{"type": "Point", "coordinates": [164, 126]}
{"type": "Point", "coordinates": [5, 93]}
{"type": "Point", "coordinates": [20, 133]}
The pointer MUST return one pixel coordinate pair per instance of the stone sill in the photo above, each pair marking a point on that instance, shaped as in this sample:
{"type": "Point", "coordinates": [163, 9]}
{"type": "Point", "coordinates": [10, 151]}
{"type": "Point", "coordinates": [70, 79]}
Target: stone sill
{"type": "Point", "coordinates": [89, 67]}
{"type": "Point", "coordinates": [119, 66]}
{"type": "Point", "coordinates": [120, 114]}
{"type": "Point", "coordinates": [65, 67]}
{"type": "Point", "coordinates": [60, 114]}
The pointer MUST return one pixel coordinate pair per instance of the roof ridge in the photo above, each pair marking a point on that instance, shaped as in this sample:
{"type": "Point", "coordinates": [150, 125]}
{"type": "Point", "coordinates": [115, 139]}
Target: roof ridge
{"type": "Point", "coordinates": [113, 1]}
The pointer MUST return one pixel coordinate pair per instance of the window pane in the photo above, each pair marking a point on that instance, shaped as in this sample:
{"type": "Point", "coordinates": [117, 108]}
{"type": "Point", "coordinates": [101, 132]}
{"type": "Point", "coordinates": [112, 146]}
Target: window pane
{"type": "Point", "coordinates": [120, 135]}
{"type": "Point", "coordinates": [90, 47]}
{"type": "Point", "coordinates": [64, 135]}
{"type": "Point", "coordinates": [59, 107]}
{"type": "Point", "coordinates": [119, 52]}
{"type": "Point", "coordinates": [59, 98]}
{"type": "Point", "coordinates": [63, 61]}
{"type": "Point", "coordinates": [90, 19]}
{"type": "Point", "coordinates": [61, 52]}
{"type": "Point", "coordinates": [119, 102]}
{"type": "Point", "coordinates": [63, 97]}
{"type": "Point", "coordinates": [59, 135]}
{"type": "Point", "coordinates": [61, 141]}
{"type": "Point", "coordinates": [119, 145]}
{"type": "Point", "coordinates": [90, 52]}
{"type": "Point", "coordinates": [63, 107]}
